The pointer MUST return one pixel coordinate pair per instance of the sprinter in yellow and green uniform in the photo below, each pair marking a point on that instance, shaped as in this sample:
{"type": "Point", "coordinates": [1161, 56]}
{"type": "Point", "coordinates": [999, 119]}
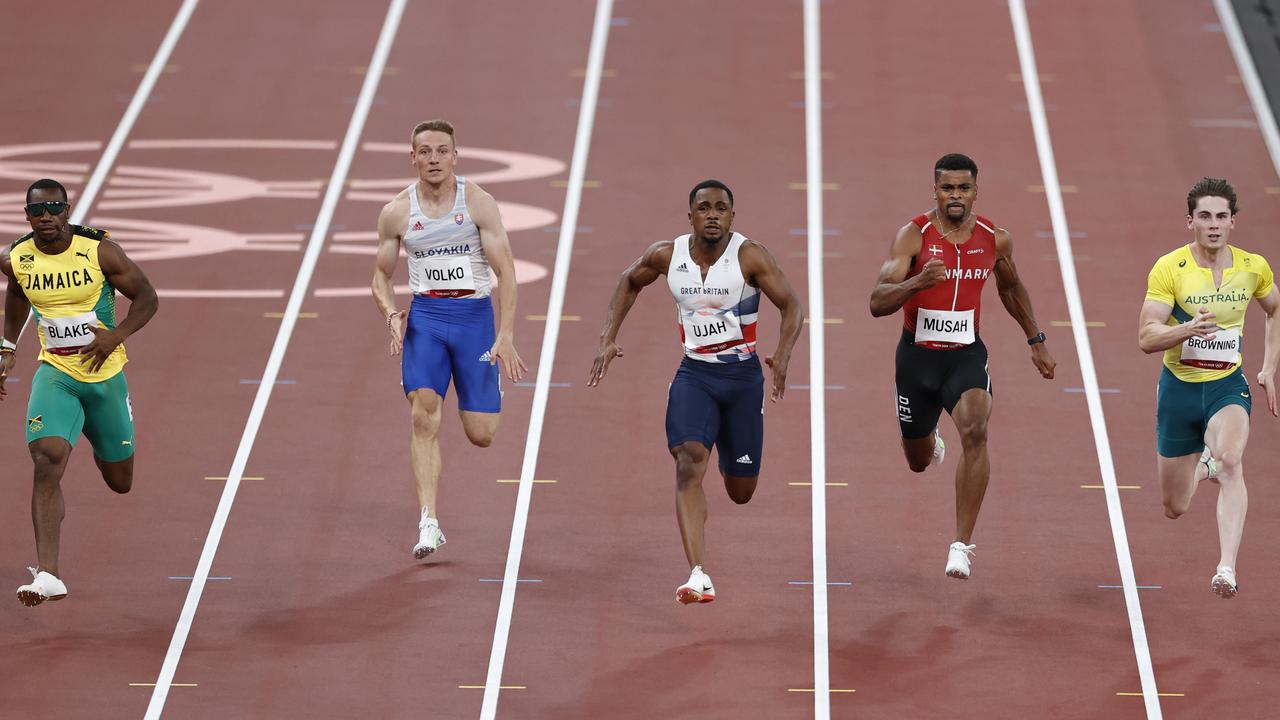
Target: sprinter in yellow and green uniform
{"type": "Point", "coordinates": [1194, 313]}
{"type": "Point", "coordinates": [67, 277]}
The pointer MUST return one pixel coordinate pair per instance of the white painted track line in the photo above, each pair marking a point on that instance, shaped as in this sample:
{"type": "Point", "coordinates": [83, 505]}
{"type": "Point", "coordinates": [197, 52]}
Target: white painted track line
{"type": "Point", "coordinates": [1066, 261]}
{"type": "Point", "coordinates": [333, 193]}
{"type": "Point", "coordinates": [817, 350]}
{"type": "Point", "coordinates": [551, 333]}
{"type": "Point", "coordinates": [1249, 76]}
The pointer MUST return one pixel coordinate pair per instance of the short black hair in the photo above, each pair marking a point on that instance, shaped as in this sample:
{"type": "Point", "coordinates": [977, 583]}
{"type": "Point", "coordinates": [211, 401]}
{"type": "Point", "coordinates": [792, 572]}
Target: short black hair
{"type": "Point", "coordinates": [710, 184]}
{"type": "Point", "coordinates": [1211, 187]}
{"type": "Point", "coordinates": [47, 184]}
{"type": "Point", "coordinates": [954, 161]}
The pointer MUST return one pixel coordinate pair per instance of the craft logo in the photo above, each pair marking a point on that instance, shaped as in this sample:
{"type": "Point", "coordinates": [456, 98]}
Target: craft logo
{"type": "Point", "coordinates": [36, 424]}
{"type": "Point", "coordinates": [27, 262]}
{"type": "Point", "coordinates": [457, 219]}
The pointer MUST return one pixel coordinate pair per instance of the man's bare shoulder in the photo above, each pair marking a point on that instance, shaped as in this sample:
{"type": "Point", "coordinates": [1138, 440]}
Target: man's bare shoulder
{"type": "Point", "coordinates": [395, 213]}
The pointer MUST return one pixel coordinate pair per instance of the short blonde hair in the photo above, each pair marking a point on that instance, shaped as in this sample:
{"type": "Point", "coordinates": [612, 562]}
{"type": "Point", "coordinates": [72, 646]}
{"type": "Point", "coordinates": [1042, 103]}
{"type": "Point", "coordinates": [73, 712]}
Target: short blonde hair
{"type": "Point", "coordinates": [437, 125]}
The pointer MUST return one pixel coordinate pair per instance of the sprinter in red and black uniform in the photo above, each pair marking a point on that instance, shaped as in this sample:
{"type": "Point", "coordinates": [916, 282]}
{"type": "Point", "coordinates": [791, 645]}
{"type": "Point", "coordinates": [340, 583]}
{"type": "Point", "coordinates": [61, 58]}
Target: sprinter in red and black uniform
{"type": "Point", "coordinates": [936, 269]}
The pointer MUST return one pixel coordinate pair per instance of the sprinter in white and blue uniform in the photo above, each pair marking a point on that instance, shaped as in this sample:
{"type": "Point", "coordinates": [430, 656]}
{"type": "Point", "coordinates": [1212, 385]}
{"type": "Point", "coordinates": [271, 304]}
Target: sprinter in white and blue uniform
{"type": "Point", "coordinates": [717, 396]}
{"type": "Point", "coordinates": [452, 233]}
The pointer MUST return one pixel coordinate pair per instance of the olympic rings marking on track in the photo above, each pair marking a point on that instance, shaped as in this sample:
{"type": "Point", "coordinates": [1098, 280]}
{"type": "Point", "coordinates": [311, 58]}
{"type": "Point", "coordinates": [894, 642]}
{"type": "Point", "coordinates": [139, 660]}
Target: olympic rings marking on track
{"type": "Point", "coordinates": [140, 187]}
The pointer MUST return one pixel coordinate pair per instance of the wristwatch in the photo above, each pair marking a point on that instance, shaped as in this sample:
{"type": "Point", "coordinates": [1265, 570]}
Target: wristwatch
{"type": "Point", "coordinates": [1037, 338]}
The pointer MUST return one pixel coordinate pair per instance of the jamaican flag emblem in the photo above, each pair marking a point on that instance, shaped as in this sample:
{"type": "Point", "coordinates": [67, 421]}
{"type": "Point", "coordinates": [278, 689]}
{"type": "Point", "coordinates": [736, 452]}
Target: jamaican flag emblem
{"type": "Point", "coordinates": [26, 262]}
{"type": "Point", "coordinates": [35, 424]}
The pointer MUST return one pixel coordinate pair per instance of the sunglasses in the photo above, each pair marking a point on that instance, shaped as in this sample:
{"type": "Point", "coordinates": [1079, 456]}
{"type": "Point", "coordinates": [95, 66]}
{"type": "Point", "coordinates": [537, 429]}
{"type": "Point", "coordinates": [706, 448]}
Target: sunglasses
{"type": "Point", "coordinates": [37, 209]}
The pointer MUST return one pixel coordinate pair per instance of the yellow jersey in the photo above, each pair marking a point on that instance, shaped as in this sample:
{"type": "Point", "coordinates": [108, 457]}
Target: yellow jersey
{"type": "Point", "coordinates": [1176, 280]}
{"type": "Point", "coordinates": [68, 294]}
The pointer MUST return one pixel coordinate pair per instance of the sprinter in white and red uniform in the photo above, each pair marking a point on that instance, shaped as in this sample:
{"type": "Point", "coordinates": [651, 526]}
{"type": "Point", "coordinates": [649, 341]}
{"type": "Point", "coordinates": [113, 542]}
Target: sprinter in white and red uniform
{"type": "Point", "coordinates": [717, 397]}
{"type": "Point", "coordinates": [452, 233]}
{"type": "Point", "coordinates": [936, 269]}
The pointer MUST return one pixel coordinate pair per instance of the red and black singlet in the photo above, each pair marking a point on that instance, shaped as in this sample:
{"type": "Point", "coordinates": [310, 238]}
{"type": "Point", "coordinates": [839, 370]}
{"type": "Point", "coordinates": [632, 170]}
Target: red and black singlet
{"type": "Point", "coordinates": [946, 315]}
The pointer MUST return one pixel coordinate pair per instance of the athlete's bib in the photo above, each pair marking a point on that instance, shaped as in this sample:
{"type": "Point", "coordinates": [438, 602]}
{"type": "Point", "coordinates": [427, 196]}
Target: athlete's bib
{"type": "Point", "coordinates": [1217, 354]}
{"type": "Point", "coordinates": [448, 276]}
{"type": "Point", "coordinates": [66, 335]}
{"type": "Point", "coordinates": [955, 327]}
{"type": "Point", "coordinates": [713, 333]}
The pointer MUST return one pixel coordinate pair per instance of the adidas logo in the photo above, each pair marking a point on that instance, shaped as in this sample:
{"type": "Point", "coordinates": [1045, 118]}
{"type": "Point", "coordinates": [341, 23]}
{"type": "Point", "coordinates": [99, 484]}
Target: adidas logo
{"type": "Point", "coordinates": [486, 357]}
{"type": "Point", "coordinates": [682, 267]}
{"type": "Point", "coordinates": [417, 225]}
{"type": "Point", "coordinates": [745, 460]}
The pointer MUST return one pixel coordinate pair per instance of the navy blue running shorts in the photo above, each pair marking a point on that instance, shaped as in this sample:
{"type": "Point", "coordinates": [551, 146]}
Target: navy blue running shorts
{"type": "Point", "coordinates": [720, 405]}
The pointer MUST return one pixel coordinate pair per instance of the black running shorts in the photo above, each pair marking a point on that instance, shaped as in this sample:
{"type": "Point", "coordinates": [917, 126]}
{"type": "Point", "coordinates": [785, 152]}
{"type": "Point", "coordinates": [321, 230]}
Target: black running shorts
{"type": "Point", "coordinates": [932, 380]}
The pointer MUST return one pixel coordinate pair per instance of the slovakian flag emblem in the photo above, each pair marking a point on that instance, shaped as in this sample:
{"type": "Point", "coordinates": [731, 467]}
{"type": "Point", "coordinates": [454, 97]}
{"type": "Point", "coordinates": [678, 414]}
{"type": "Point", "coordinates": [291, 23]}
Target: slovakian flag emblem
{"type": "Point", "coordinates": [457, 219]}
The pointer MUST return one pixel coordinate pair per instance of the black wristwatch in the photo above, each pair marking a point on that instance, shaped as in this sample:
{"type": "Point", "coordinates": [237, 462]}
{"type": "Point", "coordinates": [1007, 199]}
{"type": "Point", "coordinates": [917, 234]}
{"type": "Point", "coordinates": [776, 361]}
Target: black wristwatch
{"type": "Point", "coordinates": [1037, 338]}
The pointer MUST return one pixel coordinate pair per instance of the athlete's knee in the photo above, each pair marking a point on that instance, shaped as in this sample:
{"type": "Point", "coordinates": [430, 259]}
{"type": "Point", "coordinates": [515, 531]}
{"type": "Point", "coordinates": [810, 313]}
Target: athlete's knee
{"type": "Point", "coordinates": [691, 459]}
{"type": "Point", "coordinates": [1174, 509]}
{"type": "Point", "coordinates": [483, 437]}
{"type": "Point", "coordinates": [973, 434]}
{"type": "Point", "coordinates": [49, 462]}
{"type": "Point", "coordinates": [1230, 466]}
{"type": "Point", "coordinates": [740, 489]}
{"type": "Point", "coordinates": [426, 417]}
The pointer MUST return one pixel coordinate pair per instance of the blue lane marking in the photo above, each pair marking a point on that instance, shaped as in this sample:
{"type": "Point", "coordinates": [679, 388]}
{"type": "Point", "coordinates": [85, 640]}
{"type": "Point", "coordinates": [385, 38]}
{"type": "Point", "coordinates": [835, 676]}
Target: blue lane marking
{"type": "Point", "coordinates": [188, 577]}
{"type": "Point", "coordinates": [1103, 391]}
{"type": "Point", "coordinates": [498, 580]}
{"type": "Point", "coordinates": [258, 381]}
{"type": "Point", "coordinates": [1140, 587]}
{"type": "Point", "coordinates": [810, 582]}
{"type": "Point", "coordinates": [620, 22]}
{"type": "Point", "coordinates": [1211, 27]}
{"type": "Point", "coordinates": [529, 384]}
{"type": "Point", "coordinates": [828, 387]}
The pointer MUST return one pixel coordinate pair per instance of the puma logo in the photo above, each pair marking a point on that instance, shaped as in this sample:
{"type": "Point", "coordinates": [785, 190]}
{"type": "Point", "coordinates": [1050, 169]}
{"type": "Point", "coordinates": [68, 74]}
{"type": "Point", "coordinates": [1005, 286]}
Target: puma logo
{"type": "Point", "coordinates": [84, 255]}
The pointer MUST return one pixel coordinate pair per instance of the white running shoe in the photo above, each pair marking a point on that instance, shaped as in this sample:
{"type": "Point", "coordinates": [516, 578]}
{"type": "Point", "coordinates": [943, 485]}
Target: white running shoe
{"type": "Point", "coordinates": [939, 448]}
{"type": "Point", "coordinates": [698, 590]}
{"type": "Point", "coordinates": [1210, 465]}
{"type": "Point", "coordinates": [958, 558]}
{"type": "Point", "coordinates": [43, 587]}
{"type": "Point", "coordinates": [429, 538]}
{"type": "Point", "coordinates": [1223, 583]}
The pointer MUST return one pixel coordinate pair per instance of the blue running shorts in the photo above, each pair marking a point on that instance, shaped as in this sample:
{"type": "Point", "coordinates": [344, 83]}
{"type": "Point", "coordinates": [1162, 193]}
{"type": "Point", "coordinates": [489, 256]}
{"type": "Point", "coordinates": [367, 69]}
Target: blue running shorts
{"type": "Point", "coordinates": [720, 405]}
{"type": "Point", "coordinates": [449, 338]}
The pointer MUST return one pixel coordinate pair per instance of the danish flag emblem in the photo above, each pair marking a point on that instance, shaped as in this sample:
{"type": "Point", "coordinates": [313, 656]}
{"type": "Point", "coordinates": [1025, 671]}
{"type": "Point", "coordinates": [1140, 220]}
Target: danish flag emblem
{"type": "Point", "coordinates": [935, 250]}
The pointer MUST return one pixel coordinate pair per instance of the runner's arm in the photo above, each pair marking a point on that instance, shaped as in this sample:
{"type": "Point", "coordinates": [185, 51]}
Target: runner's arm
{"type": "Point", "coordinates": [893, 289]}
{"type": "Point", "coordinates": [16, 308]}
{"type": "Point", "coordinates": [497, 251]}
{"type": "Point", "coordinates": [762, 270]}
{"type": "Point", "coordinates": [1016, 300]}
{"type": "Point", "coordinates": [1271, 354]}
{"type": "Point", "coordinates": [390, 221]}
{"type": "Point", "coordinates": [129, 279]}
{"type": "Point", "coordinates": [640, 274]}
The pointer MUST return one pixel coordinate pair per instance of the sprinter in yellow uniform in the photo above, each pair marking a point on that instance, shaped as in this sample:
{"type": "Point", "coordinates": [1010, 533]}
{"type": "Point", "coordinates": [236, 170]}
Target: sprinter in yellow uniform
{"type": "Point", "coordinates": [67, 276]}
{"type": "Point", "coordinates": [1194, 313]}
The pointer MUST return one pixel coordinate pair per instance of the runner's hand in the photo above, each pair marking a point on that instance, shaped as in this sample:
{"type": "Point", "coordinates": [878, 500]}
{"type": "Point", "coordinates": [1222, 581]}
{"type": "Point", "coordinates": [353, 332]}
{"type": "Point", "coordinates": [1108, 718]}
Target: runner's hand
{"type": "Point", "coordinates": [1043, 361]}
{"type": "Point", "coordinates": [503, 349]}
{"type": "Point", "coordinates": [779, 366]}
{"type": "Point", "coordinates": [396, 326]}
{"type": "Point", "coordinates": [1203, 325]}
{"type": "Point", "coordinates": [104, 343]}
{"type": "Point", "coordinates": [7, 361]}
{"type": "Point", "coordinates": [1268, 383]}
{"type": "Point", "coordinates": [601, 365]}
{"type": "Point", "coordinates": [933, 272]}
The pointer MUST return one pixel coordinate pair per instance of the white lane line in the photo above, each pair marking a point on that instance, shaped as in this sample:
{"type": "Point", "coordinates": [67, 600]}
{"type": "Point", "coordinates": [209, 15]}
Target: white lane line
{"type": "Point", "coordinates": [1062, 238]}
{"type": "Point", "coordinates": [550, 334]}
{"type": "Point", "coordinates": [84, 203]}
{"type": "Point", "coordinates": [817, 351]}
{"type": "Point", "coordinates": [1252, 84]}
{"type": "Point", "coordinates": [272, 371]}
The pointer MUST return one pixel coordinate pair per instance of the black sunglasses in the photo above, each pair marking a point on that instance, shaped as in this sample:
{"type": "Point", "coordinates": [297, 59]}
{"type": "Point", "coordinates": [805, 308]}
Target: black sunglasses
{"type": "Point", "coordinates": [37, 209]}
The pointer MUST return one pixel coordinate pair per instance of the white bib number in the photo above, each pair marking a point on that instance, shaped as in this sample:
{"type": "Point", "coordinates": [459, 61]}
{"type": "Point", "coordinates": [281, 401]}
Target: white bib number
{"type": "Point", "coordinates": [1219, 353]}
{"type": "Point", "coordinates": [448, 276]}
{"type": "Point", "coordinates": [955, 327]}
{"type": "Point", "coordinates": [711, 333]}
{"type": "Point", "coordinates": [64, 334]}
